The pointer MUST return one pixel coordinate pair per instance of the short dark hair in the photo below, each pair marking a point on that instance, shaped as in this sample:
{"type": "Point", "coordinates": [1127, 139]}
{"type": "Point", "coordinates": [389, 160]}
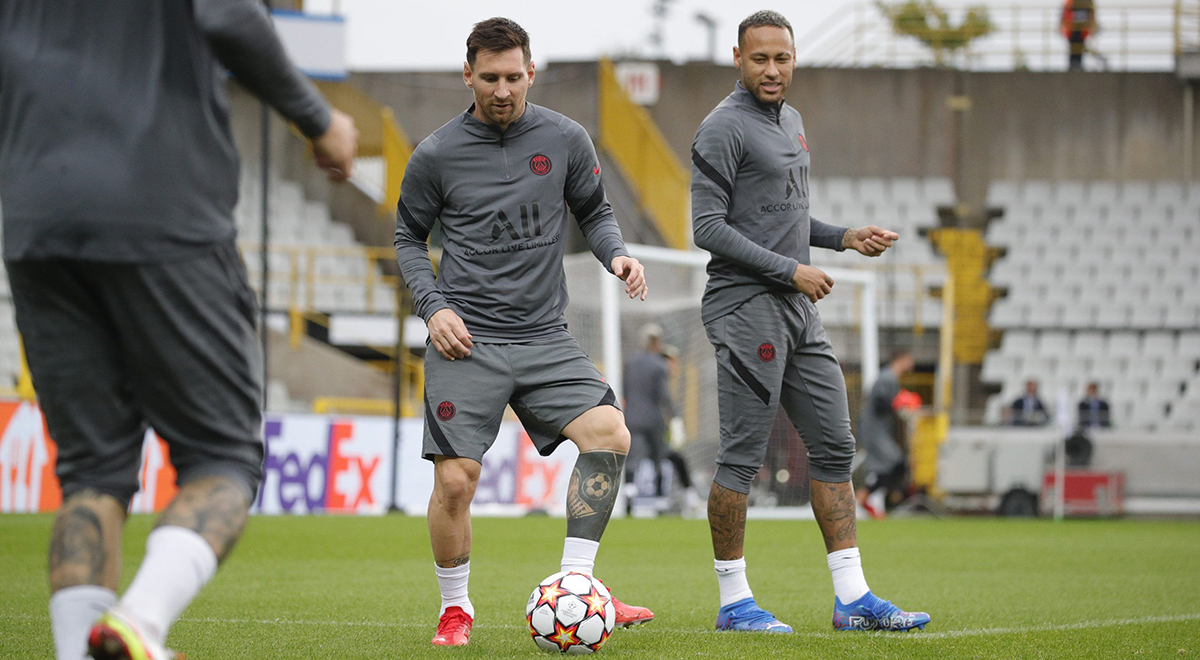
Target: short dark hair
{"type": "Point", "coordinates": [497, 35]}
{"type": "Point", "coordinates": [898, 355]}
{"type": "Point", "coordinates": [764, 18]}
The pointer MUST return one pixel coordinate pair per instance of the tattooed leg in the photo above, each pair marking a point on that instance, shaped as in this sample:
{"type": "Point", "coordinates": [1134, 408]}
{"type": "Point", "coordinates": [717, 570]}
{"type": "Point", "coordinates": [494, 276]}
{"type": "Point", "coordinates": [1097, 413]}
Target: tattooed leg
{"type": "Point", "coordinates": [215, 507]}
{"type": "Point", "coordinates": [592, 492]}
{"type": "Point", "coordinates": [833, 504]}
{"type": "Point", "coordinates": [454, 482]}
{"type": "Point", "coordinates": [85, 544]}
{"type": "Point", "coordinates": [727, 521]}
{"type": "Point", "coordinates": [603, 443]}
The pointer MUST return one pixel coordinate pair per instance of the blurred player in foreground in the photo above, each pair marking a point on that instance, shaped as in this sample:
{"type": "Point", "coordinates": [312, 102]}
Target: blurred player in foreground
{"type": "Point", "coordinates": [750, 166]}
{"type": "Point", "coordinates": [886, 464]}
{"type": "Point", "coordinates": [119, 176]}
{"type": "Point", "coordinates": [501, 178]}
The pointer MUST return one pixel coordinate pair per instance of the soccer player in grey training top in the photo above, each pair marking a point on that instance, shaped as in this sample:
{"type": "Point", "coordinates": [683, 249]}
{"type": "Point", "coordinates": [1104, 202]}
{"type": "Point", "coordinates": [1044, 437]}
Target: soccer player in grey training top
{"type": "Point", "coordinates": [501, 178]}
{"type": "Point", "coordinates": [750, 166]}
{"type": "Point", "coordinates": [119, 176]}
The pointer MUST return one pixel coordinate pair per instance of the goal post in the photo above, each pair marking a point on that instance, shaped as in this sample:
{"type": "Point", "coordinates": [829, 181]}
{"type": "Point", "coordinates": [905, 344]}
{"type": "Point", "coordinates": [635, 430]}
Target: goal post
{"type": "Point", "coordinates": [611, 290]}
{"type": "Point", "coordinates": [610, 328]}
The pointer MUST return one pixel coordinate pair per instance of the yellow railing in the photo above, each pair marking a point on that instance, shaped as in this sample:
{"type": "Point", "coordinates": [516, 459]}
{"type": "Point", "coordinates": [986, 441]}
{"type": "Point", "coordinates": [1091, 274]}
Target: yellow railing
{"type": "Point", "coordinates": [967, 259]}
{"type": "Point", "coordinates": [24, 387]}
{"type": "Point", "coordinates": [380, 135]}
{"type": "Point", "coordinates": [412, 396]}
{"type": "Point", "coordinates": [630, 136]}
{"type": "Point", "coordinates": [929, 431]}
{"type": "Point", "coordinates": [303, 270]}
{"type": "Point", "coordinates": [397, 149]}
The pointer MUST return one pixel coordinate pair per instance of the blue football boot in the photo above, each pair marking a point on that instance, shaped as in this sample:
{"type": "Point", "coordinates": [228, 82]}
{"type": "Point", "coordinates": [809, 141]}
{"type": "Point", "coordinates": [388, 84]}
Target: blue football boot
{"type": "Point", "coordinates": [873, 613]}
{"type": "Point", "coordinates": [747, 615]}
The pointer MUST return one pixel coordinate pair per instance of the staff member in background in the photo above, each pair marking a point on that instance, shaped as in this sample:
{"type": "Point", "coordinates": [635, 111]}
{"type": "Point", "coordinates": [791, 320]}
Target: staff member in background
{"type": "Point", "coordinates": [886, 465]}
{"type": "Point", "coordinates": [1093, 411]}
{"type": "Point", "coordinates": [1028, 410]}
{"type": "Point", "coordinates": [647, 402]}
{"type": "Point", "coordinates": [1078, 23]}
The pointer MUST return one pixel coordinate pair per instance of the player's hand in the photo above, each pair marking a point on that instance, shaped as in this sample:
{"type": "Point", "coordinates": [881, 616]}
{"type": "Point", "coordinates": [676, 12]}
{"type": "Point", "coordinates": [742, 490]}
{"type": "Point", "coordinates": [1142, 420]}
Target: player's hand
{"type": "Point", "coordinates": [449, 334]}
{"type": "Point", "coordinates": [335, 150]}
{"type": "Point", "coordinates": [812, 282]}
{"type": "Point", "coordinates": [634, 274]}
{"type": "Point", "coordinates": [871, 241]}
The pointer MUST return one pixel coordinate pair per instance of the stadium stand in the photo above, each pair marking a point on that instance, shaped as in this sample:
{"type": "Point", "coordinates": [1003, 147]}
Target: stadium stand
{"type": "Point", "coordinates": [907, 206]}
{"type": "Point", "coordinates": [1101, 280]}
{"type": "Point", "coordinates": [305, 240]}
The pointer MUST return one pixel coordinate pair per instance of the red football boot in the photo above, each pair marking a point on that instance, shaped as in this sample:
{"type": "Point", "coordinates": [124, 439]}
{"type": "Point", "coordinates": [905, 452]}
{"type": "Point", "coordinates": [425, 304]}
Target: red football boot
{"type": "Point", "coordinates": [454, 628]}
{"type": "Point", "coordinates": [628, 615]}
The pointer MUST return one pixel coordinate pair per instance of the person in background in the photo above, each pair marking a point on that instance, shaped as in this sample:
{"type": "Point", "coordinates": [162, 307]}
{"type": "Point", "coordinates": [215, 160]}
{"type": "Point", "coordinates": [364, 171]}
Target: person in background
{"type": "Point", "coordinates": [677, 440]}
{"type": "Point", "coordinates": [1028, 410]}
{"type": "Point", "coordinates": [1093, 411]}
{"type": "Point", "coordinates": [647, 402]}
{"type": "Point", "coordinates": [886, 465]}
{"type": "Point", "coordinates": [1078, 23]}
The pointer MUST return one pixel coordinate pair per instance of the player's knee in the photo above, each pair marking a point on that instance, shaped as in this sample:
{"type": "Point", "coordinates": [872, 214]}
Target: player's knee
{"type": "Point", "coordinates": [455, 484]}
{"type": "Point", "coordinates": [831, 463]}
{"type": "Point", "coordinates": [735, 477]}
{"type": "Point", "coordinates": [605, 430]}
{"type": "Point", "coordinates": [619, 437]}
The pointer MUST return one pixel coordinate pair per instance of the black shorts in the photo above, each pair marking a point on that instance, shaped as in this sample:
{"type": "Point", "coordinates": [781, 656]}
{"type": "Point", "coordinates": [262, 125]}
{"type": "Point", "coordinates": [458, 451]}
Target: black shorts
{"type": "Point", "coordinates": [113, 347]}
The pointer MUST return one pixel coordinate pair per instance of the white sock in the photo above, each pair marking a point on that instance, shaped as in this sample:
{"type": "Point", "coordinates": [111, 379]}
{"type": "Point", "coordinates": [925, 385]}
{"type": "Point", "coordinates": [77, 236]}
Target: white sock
{"type": "Point", "coordinates": [848, 582]}
{"type": "Point", "coordinates": [579, 555]}
{"type": "Point", "coordinates": [72, 612]}
{"type": "Point", "coordinates": [453, 583]}
{"type": "Point", "coordinates": [178, 563]}
{"type": "Point", "coordinates": [731, 579]}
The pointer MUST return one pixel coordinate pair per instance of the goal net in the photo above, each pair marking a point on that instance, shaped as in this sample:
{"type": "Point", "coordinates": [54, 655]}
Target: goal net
{"type": "Point", "coordinates": [610, 326]}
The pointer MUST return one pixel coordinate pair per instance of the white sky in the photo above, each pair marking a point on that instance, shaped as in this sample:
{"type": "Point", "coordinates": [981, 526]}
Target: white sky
{"type": "Point", "coordinates": [423, 35]}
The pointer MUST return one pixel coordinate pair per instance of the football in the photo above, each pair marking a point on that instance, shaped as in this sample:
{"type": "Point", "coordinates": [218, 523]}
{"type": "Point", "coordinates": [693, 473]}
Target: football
{"type": "Point", "coordinates": [570, 612]}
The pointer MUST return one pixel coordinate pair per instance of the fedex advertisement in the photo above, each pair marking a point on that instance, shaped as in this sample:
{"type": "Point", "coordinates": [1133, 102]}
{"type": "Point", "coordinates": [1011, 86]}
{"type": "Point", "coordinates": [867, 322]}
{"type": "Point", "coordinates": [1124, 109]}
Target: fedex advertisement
{"type": "Point", "coordinates": [314, 464]}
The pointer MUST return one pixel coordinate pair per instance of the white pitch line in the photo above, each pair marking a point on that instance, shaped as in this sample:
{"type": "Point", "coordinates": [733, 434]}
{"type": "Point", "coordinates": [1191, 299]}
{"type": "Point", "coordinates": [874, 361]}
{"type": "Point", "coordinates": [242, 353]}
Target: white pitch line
{"type": "Point", "coordinates": [1082, 625]}
{"type": "Point", "coordinates": [916, 636]}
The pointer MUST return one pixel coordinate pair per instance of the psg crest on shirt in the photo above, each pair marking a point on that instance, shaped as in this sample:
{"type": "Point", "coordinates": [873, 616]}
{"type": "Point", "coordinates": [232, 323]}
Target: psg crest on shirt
{"type": "Point", "coordinates": [540, 165]}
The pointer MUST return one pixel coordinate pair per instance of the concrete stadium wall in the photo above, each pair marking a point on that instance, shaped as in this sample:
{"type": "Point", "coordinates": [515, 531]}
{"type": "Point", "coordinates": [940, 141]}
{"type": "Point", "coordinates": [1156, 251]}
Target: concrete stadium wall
{"type": "Point", "coordinates": [424, 101]}
{"type": "Point", "coordinates": [1020, 125]}
{"type": "Point", "coordinates": [890, 122]}
{"type": "Point", "coordinates": [886, 122]}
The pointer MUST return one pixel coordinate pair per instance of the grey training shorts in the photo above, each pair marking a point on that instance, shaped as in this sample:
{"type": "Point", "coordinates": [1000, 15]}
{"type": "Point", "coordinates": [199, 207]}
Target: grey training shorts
{"type": "Point", "coordinates": [773, 350]}
{"type": "Point", "coordinates": [114, 346]}
{"type": "Point", "coordinates": [549, 382]}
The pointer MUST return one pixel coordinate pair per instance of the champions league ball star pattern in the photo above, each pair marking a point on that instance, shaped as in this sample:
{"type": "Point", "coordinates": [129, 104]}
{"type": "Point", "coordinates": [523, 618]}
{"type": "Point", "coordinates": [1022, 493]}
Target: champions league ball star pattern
{"type": "Point", "coordinates": [570, 612]}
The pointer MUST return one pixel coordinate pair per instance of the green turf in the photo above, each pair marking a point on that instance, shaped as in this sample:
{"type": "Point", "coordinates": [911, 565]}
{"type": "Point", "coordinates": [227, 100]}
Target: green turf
{"type": "Point", "coordinates": [325, 587]}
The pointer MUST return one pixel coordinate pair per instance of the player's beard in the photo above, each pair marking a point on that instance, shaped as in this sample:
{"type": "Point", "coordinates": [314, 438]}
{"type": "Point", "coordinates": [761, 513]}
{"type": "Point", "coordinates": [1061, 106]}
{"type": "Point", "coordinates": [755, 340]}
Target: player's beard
{"type": "Point", "coordinates": [506, 116]}
{"type": "Point", "coordinates": [756, 88]}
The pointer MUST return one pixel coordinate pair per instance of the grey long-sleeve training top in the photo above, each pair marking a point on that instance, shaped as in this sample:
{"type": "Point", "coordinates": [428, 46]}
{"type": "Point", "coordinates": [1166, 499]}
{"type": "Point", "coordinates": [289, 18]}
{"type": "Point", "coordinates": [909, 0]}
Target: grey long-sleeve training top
{"type": "Point", "coordinates": [647, 393]}
{"type": "Point", "coordinates": [750, 201]}
{"type": "Point", "coordinates": [114, 124]}
{"type": "Point", "coordinates": [502, 199]}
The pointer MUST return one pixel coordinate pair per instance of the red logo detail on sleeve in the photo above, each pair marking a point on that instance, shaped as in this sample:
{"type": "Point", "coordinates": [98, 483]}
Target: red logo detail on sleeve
{"type": "Point", "coordinates": [596, 170]}
{"type": "Point", "coordinates": [802, 142]}
{"type": "Point", "coordinates": [766, 352]}
{"type": "Point", "coordinates": [445, 411]}
{"type": "Point", "coordinates": [540, 165]}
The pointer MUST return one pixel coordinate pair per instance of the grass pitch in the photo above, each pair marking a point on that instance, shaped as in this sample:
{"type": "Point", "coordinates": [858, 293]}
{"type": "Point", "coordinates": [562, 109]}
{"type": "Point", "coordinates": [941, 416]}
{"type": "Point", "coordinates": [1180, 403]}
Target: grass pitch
{"type": "Point", "coordinates": [326, 587]}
